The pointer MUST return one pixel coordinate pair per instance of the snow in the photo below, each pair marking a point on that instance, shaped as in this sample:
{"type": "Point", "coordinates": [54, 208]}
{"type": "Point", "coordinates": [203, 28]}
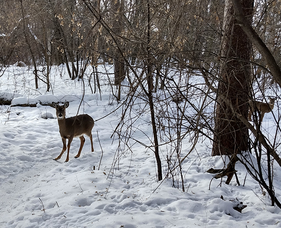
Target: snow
{"type": "Point", "coordinates": [113, 186]}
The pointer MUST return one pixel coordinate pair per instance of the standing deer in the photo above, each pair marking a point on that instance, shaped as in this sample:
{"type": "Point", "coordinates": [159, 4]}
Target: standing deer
{"type": "Point", "coordinates": [71, 127]}
{"type": "Point", "coordinates": [261, 107]}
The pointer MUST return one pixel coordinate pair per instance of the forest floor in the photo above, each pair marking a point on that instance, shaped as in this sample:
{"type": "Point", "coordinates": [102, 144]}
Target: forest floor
{"type": "Point", "coordinates": [114, 186]}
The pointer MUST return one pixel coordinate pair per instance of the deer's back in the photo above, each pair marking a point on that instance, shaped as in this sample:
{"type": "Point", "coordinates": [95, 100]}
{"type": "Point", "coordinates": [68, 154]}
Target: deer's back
{"type": "Point", "coordinates": [77, 125]}
{"type": "Point", "coordinates": [264, 107]}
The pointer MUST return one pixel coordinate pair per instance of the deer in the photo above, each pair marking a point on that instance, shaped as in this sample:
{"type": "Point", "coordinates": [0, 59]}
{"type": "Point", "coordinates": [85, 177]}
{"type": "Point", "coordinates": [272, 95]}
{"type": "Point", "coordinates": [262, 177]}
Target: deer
{"type": "Point", "coordinates": [261, 107]}
{"type": "Point", "coordinates": [71, 127]}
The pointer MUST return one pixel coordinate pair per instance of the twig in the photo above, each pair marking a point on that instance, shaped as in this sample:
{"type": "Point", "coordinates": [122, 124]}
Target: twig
{"type": "Point", "coordinates": [79, 184]}
{"type": "Point", "coordinates": [42, 205]}
{"type": "Point", "coordinates": [101, 150]}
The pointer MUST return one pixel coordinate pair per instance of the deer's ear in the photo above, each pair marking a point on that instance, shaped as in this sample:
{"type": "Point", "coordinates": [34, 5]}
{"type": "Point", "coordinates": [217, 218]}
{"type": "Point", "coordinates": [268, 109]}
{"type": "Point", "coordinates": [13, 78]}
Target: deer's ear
{"type": "Point", "coordinates": [54, 105]}
{"type": "Point", "coordinates": [66, 104]}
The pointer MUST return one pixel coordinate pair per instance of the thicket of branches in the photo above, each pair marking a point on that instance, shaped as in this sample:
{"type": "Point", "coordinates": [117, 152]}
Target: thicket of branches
{"type": "Point", "coordinates": [172, 54]}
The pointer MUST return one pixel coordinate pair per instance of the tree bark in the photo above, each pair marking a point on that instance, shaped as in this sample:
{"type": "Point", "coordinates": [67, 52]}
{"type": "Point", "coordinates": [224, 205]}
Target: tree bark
{"type": "Point", "coordinates": [29, 46]}
{"type": "Point", "coordinates": [230, 134]}
{"type": "Point", "coordinates": [119, 62]}
{"type": "Point", "coordinates": [257, 41]}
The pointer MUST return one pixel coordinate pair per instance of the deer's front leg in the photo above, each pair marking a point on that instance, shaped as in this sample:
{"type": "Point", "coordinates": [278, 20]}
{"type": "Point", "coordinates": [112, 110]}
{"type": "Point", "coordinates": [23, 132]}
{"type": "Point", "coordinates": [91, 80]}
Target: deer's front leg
{"type": "Point", "coordinates": [91, 138]}
{"type": "Point", "coordinates": [63, 149]}
{"type": "Point", "coordinates": [68, 148]}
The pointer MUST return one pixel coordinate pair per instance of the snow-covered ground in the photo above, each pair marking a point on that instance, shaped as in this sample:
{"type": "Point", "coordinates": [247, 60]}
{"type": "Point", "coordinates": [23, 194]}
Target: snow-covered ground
{"type": "Point", "coordinates": [110, 187]}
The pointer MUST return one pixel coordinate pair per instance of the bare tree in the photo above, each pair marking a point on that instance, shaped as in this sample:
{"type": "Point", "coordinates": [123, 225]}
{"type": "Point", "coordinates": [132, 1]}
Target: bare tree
{"type": "Point", "coordinates": [230, 134]}
{"type": "Point", "coordinates": [117, 29]}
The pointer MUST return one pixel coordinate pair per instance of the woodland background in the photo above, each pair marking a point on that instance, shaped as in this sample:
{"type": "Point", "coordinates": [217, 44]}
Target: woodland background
{"type": "Point", "coordinates": [231, 49]}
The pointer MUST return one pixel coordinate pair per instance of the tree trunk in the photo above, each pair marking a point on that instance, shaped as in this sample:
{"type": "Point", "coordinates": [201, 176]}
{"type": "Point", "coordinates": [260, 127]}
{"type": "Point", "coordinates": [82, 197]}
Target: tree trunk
{"type": "Point", "coordinates": [257, 41]}
{"type": "Point", "coordinates": [25, 28]}
{"type": "Point", "coordinates": [150, 95]}
{"type": "Point", "coordinates": [230, 134]}
{"type": "Point", "coordinates": [119, 62]}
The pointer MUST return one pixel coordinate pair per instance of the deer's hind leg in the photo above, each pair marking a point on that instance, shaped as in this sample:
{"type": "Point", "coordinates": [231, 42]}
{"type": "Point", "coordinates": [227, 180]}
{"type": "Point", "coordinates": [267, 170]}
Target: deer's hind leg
{"type": "Point", "coordinates": [82, 141]}
{"type": "Point", "coordinates": [262, 115]}
{"type": "Point", "coordinates": [91, 138]}
{"type": "Point", "coordinates": [250, 114]}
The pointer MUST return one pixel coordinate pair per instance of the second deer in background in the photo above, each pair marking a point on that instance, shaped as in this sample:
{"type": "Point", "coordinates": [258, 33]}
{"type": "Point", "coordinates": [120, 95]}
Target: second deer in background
{"type": "Point", "coordinates": [261, 108]}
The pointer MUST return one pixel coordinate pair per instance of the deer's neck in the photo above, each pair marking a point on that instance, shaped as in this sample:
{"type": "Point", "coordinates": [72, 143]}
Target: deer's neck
{"type": "Point", "coordinates": [64, 131]}
{"type": "Point", "coordinates": [61, 122]}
